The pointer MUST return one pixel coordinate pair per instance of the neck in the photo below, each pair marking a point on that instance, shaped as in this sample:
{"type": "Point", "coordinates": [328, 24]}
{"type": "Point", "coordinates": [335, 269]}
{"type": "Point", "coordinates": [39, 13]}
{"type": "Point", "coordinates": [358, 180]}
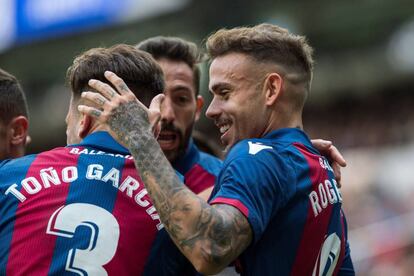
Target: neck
{"type": "Point", "coordinates": [93, 128]}
{"type": "Point", "coordinates": [17, 151]}
{"type": "Point", "coordinates": [278, 120]}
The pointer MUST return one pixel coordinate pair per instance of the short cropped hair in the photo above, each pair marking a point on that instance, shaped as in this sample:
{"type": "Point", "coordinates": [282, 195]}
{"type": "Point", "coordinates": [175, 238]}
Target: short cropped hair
{"type": "Point", "coordinates": [138, 69]}
{"type": "Point", "coordinates": [176, 49]}
{"type": "Point", "coordinates": [12, 98]}
{"type": "Point", "coordinates": [264, 43]}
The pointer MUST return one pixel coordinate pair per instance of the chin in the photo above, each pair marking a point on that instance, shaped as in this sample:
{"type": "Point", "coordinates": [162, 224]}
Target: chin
{"type": "Point", "coordinates": [171, 155]}
{"type": "Point", "coordinates": [227, 146]}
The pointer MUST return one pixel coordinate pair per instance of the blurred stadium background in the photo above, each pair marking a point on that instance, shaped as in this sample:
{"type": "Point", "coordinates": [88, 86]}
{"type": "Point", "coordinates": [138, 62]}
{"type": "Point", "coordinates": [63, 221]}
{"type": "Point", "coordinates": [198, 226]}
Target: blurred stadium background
{"type": "Point", "coordinates": [362, 96]}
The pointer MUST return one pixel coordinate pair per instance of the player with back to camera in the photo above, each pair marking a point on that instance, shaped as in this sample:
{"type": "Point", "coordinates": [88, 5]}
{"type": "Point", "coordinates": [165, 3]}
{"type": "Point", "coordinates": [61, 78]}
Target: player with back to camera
{"type": "Point", "coordinates": [81, 208]}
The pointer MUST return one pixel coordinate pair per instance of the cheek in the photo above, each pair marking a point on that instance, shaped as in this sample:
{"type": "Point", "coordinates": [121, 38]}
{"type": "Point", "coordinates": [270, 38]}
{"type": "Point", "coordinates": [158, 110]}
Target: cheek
{"type": "Point", "coordinates": [246, 120]}
{"type": "Point", "coordinates": [186, 116]}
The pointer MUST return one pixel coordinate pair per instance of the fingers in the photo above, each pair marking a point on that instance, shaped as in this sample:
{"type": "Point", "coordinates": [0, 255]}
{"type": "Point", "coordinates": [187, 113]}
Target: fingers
{"type": "Point", "coordinates": [321, 145]}
{"type": "Point", "coordinates": [337, 172]}
{"type": "Point", "coordinates": [336, 156]}
{"type": "Point", "coordinates": [105, 89]}
{"type": "Point", "coordinates": [329, 151]}
{"type": "Point", "coordinates": [87, 110]}
{"type": "Point", "coordinates": [156, 129]}
{"type": "Point", "coordinates": [154, 113]}
{"type": "Point", "coordinates": [95, 97]}
{"type": "Point", "coordinates": [156, 102]}
{"type": "Point", "coordinates": [119, 84]}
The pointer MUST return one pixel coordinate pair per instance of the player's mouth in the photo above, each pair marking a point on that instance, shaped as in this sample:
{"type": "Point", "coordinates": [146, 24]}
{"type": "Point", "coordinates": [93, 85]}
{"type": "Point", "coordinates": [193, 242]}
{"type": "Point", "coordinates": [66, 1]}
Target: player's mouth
{"type": "Point", "coordinates": [168, 140]}
{"type": "Point", "coordinates": [224, 127]}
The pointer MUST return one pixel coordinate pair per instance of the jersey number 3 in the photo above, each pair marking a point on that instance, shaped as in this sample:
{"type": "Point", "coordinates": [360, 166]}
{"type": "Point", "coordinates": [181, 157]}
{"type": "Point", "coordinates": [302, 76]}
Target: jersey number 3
{"type": "Point", "coordinates": [103, 239]}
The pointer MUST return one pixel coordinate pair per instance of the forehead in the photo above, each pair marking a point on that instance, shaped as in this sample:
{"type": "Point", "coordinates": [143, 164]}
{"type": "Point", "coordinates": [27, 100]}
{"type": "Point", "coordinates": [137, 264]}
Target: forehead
{"type": "Point", "coordinates": [232, 68]}
{"type": "Point", "coordinates": [176, 70]}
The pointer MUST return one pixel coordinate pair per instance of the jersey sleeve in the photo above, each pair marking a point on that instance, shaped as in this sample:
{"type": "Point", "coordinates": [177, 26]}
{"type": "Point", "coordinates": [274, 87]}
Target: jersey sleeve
{"type": "Point", "coordinates": [258, 186]}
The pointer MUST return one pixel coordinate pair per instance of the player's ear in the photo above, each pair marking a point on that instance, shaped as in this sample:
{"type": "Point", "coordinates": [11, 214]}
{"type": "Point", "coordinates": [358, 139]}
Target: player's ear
{"type": "Point", "coordinates": [18, 127]}
{"type": "Point", "coordinates": [85, 125]}
{"type": "Point", "coordinates": [273, 86]}
{"type": "Point", "coordinates": [199, 106]}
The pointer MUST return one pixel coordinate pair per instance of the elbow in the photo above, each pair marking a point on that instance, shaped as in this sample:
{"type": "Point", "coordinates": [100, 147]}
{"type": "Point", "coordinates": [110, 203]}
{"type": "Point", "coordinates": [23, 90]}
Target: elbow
{"type": "Point", "coordinates": [208, 263]}
{"type": "Point", "coordinates": [207, 268]}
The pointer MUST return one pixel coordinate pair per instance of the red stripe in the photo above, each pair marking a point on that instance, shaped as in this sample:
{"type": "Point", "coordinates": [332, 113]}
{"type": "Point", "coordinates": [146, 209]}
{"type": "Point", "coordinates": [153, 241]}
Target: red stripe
{"type": "Point", "coordinates": [31, 248]}
{"type": "Point", "coordinates": [137, 229]}
{"type": "Point", "coordinates": [197, 179]}
{"type": "Point", "coordinates": [233, 202]}
{"type": "Point", "coordinates": [315, 228]}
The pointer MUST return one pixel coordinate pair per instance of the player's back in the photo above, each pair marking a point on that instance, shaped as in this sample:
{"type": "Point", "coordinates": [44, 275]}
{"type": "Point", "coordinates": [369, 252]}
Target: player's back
{"type": "Point", "coordinates": [79, 209]}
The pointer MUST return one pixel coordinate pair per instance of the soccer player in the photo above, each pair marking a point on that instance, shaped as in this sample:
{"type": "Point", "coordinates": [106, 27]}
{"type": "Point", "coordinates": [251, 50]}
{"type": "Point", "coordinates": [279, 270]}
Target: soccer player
{"type": "Point", "coordinates": [180, 110]}
{"type": "Point", "coordinates": [83, 208]}
{"type": "Point", "coordinates": [14, 121]}
{"type": "Point", "coordinates": [276, 207]}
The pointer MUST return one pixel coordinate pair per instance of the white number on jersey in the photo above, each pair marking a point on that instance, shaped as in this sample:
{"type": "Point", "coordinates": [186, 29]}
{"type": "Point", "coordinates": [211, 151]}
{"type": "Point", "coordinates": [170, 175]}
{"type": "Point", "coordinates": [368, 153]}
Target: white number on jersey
{"type": "Point", "coordinates": [328, 256]}
{"type": "Point", "coordinates": [103, 240]}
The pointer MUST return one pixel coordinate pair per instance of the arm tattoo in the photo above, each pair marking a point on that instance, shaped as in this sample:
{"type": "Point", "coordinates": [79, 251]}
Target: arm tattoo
{"type": "Point", "coordinates": [217, 234]}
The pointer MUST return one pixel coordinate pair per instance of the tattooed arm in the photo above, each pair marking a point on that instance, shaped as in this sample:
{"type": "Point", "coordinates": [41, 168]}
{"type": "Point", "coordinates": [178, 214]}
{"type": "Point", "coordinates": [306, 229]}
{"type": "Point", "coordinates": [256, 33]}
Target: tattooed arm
{"type": "Point", "coordinates": [209, 236]}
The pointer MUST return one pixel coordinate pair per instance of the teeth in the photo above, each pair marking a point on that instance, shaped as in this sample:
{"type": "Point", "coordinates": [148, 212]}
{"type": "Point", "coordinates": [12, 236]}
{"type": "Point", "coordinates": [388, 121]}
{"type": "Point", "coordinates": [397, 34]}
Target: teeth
{"type": "Point", "coordinates": [224, 128]}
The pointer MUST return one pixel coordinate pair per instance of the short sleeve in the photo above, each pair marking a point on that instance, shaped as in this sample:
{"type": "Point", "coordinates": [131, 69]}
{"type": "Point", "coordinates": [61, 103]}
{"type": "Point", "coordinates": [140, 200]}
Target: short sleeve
{"type": "Point", "coordinates": [258, 186]}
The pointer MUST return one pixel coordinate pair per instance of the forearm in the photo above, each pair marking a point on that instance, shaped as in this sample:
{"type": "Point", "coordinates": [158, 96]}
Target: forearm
{"type": "Point", "coordinates": [167, 192]}
{"type": "Point", "coordinates": [210, 237]}
{"type": "Point", "coordinates": [200, 231]}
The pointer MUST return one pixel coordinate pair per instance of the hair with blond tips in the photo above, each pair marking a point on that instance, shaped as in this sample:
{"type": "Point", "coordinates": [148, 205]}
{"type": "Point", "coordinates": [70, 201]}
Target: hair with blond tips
{"type": "Point", "coordinates": [265, 43]}
{"type": "Point", "coordinates": [12, 98]}
{"type": "Point", "coordinates": [138, 69]}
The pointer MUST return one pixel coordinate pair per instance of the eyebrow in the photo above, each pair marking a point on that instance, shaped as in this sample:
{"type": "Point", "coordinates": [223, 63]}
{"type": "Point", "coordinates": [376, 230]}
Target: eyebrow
{"type": "Point", "coordinates": [219, 85]}
{"type": "Point", "coordinates": [181, 87]}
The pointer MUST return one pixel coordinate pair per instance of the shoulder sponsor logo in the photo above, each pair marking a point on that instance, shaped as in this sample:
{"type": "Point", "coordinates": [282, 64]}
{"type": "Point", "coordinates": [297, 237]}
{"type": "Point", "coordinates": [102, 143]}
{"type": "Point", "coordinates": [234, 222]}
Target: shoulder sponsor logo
{"type": "Point", "coordinates": [255, 148]}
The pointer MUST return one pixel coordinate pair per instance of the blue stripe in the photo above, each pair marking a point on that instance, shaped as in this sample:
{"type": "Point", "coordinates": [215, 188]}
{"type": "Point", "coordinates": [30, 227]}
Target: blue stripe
{"type": "Point", "coordinates": [93, 192]}
{"type": "Point", "coordinates": [12, 172]}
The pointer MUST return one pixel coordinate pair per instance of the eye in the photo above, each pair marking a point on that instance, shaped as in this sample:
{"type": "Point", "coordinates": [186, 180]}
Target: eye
{"type": "Point", "coordinates": [224, 93]}
{"type": "Point", "coordinates": [182, 99]}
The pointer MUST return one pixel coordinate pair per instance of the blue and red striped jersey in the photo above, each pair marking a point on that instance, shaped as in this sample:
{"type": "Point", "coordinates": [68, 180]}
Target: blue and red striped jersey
{"type": "Point", "coordinates": [199, 169]}
{"type": "Point", "coordinates": [288, 193]}
{"type": "Point", "coordinates": [80, 209]}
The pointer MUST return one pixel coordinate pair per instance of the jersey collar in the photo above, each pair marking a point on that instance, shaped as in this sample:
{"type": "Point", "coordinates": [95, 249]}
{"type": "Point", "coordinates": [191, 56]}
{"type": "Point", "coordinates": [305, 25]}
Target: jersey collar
{"type": "Point", "coordinates": [102, 140]}
{"type": "Point", "coordinates": [289, 135]}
